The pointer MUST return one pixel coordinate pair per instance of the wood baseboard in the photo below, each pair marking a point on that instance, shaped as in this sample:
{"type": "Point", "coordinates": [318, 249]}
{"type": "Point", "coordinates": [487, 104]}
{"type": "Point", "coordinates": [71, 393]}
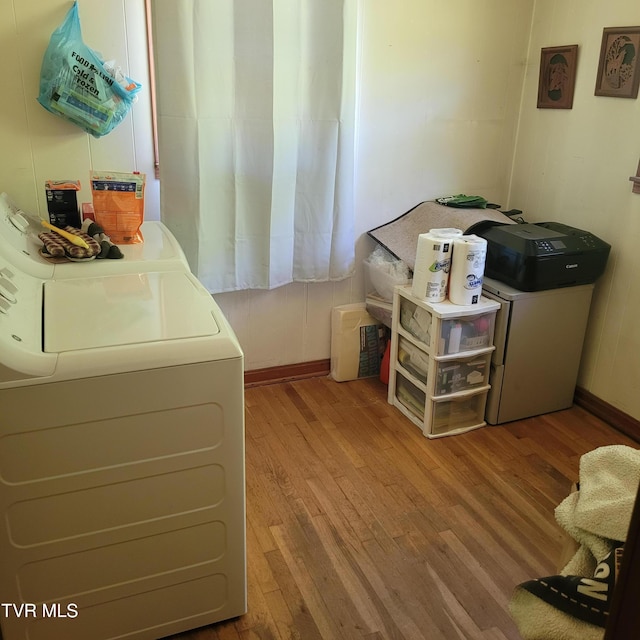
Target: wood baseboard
{"type": "Point", "coordinates": [317, 368]}
{"type": "Point", "coordinates": [603, 410]}
{"type": "Point", "coordinates": [271, 375]}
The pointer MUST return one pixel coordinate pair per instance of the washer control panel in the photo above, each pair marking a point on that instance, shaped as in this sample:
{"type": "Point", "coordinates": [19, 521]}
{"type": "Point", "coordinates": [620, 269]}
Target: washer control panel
{"type": "Point", "coordinates": [21, 323]}
{"type": "Point", "coordinates": [19, 237]}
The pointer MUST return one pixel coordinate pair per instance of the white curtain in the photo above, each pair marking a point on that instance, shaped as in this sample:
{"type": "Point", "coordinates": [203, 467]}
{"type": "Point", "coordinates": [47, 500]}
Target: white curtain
{"type": "Point", "coordinates": [256, 116]}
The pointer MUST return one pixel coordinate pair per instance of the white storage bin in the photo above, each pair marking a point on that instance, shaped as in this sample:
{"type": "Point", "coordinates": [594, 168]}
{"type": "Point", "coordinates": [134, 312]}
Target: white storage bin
{"type": "Point", "coordinates": [380, 309]}
{"type": "Point", "coordinates": [382, 272]}
{"type": "Point", "coordinates": [440, 381]}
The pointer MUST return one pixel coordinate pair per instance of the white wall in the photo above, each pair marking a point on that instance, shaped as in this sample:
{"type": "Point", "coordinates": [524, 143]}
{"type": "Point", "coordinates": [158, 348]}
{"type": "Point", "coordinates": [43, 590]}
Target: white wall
{"type": "Point", "coordinates": [35, 145]}
{"type": "Point", "coordinates": [439, 91]}
{"type": "Point", "coordinates": [438, 104]}
{"type": "Point", "coordinates": [439, 98]}
{"type": "Point", "coordinates": [573, 166]}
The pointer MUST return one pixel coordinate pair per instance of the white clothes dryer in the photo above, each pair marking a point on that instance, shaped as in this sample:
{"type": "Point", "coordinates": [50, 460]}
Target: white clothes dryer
{"type": "Point", "coordinates": [122, 475]}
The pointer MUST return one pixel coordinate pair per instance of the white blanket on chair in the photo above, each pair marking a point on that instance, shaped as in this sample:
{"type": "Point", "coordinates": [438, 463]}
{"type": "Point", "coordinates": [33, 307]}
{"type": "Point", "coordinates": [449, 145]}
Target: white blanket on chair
{"type": "Point", "coordinates": [609, 478]}
{"type": "Point", "coordinates": [597, 516]}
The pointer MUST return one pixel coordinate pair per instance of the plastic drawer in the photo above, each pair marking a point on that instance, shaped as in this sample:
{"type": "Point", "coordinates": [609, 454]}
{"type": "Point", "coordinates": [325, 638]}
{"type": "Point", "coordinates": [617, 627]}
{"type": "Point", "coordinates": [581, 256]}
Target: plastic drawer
{"type": "Point", "coordinates": [381, 310]}
{"type": "Point", "coordinates": [413, 359]}
{"type": "Point", "coordinates": [461, 374]}
{"type": "Point", "coordinates": [410, 397]}
{"type": "Point", "coordinates": [457, 414]}
{"type": "Point", "coordinates": [458, 335]}
{"type": "Point", "coordinates": [415, 320]}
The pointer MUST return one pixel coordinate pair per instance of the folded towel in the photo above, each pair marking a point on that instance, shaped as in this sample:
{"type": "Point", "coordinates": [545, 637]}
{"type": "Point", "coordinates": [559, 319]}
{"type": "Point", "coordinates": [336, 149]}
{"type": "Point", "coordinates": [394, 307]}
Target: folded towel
{"type": "Point", "coordinates": [609, 478]}
{"type": "Point", "coordinates": [592, 545]}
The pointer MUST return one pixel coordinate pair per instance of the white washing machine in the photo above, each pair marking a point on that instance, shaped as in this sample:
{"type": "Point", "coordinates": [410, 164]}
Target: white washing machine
{"type": "Point", "coordinates": [121, 453]}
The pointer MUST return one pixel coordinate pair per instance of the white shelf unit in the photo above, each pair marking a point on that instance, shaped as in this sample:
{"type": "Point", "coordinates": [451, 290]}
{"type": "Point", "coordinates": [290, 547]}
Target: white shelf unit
{"type": "Point", "coordinates": [440, 362]}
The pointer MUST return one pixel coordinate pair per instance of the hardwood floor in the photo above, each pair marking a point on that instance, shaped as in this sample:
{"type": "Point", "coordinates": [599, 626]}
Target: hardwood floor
{"type": "Point", "coordinates": [360, 527]}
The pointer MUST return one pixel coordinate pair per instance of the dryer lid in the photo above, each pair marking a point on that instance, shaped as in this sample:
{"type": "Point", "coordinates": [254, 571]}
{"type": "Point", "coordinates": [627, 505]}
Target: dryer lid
{"type": "Point", "coordinates": [159, 245]}
{"type": "Point", "coordinates": [127, 309]}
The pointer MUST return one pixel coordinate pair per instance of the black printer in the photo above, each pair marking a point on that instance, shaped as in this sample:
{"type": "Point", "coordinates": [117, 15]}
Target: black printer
{"type": "Point", "coordinates": [543, 255]}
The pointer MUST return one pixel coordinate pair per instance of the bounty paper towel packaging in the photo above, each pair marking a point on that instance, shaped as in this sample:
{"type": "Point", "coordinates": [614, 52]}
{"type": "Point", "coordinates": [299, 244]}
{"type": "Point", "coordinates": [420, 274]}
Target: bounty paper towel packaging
{"type": "Point", "coordinates": [433, 260]}
{"type": "Point", "coordinates": [467, 269]}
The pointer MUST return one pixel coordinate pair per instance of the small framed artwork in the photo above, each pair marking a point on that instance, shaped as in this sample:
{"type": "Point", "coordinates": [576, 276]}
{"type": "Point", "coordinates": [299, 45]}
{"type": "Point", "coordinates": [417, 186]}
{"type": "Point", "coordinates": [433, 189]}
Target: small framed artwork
{"type": "Point", "coordinates": [557, 77]}
{"type": "Point", "coordinates": [618, 69]}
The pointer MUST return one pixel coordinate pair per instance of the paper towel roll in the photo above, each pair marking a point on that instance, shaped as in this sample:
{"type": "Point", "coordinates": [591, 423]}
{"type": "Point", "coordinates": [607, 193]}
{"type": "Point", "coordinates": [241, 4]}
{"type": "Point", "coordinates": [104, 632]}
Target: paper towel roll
{"type": "Point", "coordinates": [467, 269]}
{"type": "Point", "coordinates": [433, 259]}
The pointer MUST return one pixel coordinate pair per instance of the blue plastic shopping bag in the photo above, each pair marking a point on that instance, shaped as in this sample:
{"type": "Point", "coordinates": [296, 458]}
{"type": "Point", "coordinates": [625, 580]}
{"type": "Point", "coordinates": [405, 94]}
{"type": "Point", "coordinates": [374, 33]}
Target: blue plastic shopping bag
{"type": "Point", "coordinates": [77, 85]}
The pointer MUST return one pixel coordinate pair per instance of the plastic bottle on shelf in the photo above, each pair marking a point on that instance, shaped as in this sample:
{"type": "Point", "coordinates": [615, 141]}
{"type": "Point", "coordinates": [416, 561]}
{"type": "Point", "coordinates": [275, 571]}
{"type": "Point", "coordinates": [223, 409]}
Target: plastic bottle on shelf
{"type": "Point", "coordinates": [454, 337]}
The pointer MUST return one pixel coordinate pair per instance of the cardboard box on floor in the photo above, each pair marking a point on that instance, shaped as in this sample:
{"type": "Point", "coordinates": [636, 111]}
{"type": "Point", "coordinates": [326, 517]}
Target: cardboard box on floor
{"type": "Point", "coordinates": [357, 343]}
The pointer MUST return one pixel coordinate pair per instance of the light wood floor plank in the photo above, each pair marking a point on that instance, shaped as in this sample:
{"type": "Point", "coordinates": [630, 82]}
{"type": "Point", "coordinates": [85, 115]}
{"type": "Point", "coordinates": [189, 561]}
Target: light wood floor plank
{"type": "Point", "coordinates": [359, 527]}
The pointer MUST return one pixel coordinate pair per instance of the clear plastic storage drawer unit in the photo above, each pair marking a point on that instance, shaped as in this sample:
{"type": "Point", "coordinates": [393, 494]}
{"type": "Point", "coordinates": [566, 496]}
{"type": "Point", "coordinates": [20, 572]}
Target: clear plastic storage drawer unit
{"type": "Point", "coordinates": [440, 362]}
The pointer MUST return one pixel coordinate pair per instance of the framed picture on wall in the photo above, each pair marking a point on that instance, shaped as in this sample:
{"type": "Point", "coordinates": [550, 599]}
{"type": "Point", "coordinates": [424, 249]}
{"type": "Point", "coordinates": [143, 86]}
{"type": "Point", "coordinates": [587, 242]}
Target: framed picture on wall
{"type": "Point", "coordinates": [618, 69]}
{"type": "Point", "coordinates": [557, 77]}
